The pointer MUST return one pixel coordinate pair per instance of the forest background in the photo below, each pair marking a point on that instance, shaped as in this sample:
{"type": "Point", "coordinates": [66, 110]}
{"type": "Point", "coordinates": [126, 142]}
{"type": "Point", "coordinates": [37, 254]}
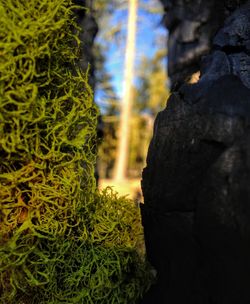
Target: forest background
{"type": "Point", "coordinates": [148, 87]}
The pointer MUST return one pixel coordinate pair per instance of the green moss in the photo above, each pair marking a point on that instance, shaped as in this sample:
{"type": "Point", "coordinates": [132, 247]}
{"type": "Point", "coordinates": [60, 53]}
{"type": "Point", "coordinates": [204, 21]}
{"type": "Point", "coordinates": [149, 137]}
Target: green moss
{"type": "Point", "coordinates": [60, 240]}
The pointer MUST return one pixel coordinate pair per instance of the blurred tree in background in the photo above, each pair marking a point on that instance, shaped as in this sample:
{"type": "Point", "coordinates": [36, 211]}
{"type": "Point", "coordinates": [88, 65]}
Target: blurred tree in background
{"type": "Point", "coordinates": [105, 91]}
{"type": "Point", "coordinates": [150, 86]}
{"type": "Point", "coordinates": [124, 126]}
{"type": "Point", "coordinates": [150, 95]}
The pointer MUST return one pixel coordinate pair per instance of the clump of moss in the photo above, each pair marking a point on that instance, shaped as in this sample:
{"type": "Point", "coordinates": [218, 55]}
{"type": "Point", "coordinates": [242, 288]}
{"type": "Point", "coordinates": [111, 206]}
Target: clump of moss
{"type": "Point", "coordinates": [60, 240]}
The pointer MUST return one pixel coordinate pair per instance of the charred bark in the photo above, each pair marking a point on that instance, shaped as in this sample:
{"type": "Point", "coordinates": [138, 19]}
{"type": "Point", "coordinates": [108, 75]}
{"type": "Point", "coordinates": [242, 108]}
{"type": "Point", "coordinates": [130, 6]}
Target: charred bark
{"type": "Point", "coordinates": [192, 25]}
{"type": "Point", "coordinates": [196, 184]}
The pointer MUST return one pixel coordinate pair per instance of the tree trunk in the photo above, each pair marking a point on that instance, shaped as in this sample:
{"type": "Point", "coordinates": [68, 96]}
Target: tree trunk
{"type": "Point", "coordinates": [89, 29]}
{"type": "Point", "coordinates": [196, 189]}
{"type": "Point", "coordinates": [124, 127]}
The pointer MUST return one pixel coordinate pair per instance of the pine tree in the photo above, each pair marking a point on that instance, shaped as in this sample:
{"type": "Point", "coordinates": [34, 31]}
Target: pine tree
{"type": "Point", "coordinates": [124, 127]}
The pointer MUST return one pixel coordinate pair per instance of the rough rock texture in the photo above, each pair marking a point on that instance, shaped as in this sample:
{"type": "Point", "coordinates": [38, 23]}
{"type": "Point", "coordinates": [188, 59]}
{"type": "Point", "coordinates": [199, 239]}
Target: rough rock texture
{"type": "Point", "coordinates": [192, 25]}
{"type": "Point", "coordinates": [197, 181]}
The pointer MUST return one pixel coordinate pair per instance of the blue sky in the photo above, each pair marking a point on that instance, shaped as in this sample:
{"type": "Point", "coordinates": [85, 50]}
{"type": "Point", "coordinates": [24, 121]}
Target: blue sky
{"type": "Point", "coordinates": [149, 29]}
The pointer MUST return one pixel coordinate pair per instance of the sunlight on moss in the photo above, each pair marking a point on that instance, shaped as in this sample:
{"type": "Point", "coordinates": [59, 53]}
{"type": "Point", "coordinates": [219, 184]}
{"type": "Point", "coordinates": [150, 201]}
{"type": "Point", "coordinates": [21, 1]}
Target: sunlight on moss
{"type": "Point", "coordinates": [60, 240]}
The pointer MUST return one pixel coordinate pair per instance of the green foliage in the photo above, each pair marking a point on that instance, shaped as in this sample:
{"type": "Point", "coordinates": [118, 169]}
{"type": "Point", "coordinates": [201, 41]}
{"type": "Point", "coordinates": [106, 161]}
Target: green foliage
{"type": "Point", "coordinates": [108, 100]}
{"type": "Point", "coordinates": [152, 90]}
{"type": "Point", "coordinates": [107, 151]}
{"type": "Point", "coordinates": [106, 95]}
{"type": "Point", "coordinates": [149, 97]}
{"type": "Point", "coordinates": [60, 240]}
{"type": "Point", "coordinates": [141, 133]}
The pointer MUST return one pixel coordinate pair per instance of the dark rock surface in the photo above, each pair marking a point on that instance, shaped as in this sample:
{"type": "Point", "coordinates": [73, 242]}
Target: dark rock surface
{"type": "Point", "coordinates": [196, 184]}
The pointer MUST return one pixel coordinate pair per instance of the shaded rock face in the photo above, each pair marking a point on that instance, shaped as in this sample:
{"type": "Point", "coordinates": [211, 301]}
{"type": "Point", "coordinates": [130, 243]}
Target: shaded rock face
{"type": "Point", "coordinates": [196, 184]}
{"type": "Point", "coordinates": [192, 25]}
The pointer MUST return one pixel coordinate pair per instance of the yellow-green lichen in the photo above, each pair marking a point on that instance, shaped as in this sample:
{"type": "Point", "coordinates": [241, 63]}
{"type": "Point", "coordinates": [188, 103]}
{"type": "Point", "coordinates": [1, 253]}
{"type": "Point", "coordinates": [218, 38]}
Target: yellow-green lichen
{"type": "Point", "coordinates": [60, 240]}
